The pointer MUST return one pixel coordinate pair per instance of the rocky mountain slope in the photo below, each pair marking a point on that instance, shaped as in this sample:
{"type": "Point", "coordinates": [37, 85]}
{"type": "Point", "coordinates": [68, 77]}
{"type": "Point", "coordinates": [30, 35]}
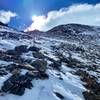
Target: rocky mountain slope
{"type": "Point", "coordinates": [74, 29]}
{"type": "Point", "coordinates": [61, 64]}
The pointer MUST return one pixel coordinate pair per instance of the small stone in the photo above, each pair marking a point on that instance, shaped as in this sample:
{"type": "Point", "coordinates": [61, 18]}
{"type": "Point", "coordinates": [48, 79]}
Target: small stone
{"type": "Point", "coordinates": [59, 95]}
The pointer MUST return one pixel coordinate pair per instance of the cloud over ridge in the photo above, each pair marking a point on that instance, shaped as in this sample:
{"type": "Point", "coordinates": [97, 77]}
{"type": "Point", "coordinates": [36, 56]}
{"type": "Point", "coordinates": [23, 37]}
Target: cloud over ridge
{"type": "Point", "coordinates": [79, 13]}
{"type": "Point", "coordinates": [5, 16]}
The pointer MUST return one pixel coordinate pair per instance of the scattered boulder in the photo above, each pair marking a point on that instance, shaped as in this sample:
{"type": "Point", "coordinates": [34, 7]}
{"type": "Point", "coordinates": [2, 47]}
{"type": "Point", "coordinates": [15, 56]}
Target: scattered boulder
{"type": "Point", "coordinates": [38, 55]}
{"type": "Point", "coordinates": [71, 62]}
{"type": "Point", "coordinates": [93, 67]}
{"type": "Point", "coordinates": [26, 66]}
{"type": "Point", "coordinates": [90, 96]}
{"type": "Point", "coordinates": [81, 49]}
{"type": "Point", "coordinates": [33, 48]}
{"type": "Point", "coordinates": [20, 90]}
{"type": "Point", "coordinates": [31, 74]}
{"type": "Point", "coordinates": [56, 65]}
{"type": "Point", "coordinates": [16, 84]}
{"type": "Point", "coordinates": [21, 49]}
{"type": "Point", "coordinates": [16, 71]}
{"type": "Point", "coordinates": [40, 65]}
{"type": "Point", "coordinates": [11, 57]}
{"type": "Point", "coordinates": [81, 73]}
{"type": "Point", "coordinates": [11, 67]}
{"type": "Point", "coordinates": [43, 76]}
{"type": "Point", "coordinates": [11, 52]}
{"type": "Point", "coordinates": [91, 84]}
{"type": "Point", "coordinates": [3, 72]}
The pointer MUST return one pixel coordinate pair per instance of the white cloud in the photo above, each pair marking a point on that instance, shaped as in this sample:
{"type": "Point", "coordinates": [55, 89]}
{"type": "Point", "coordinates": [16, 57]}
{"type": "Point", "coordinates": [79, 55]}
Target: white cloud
{"type": "Point", "coordinates": [81, 13]}
{"type": "Point", "coordinates": [5, 16]}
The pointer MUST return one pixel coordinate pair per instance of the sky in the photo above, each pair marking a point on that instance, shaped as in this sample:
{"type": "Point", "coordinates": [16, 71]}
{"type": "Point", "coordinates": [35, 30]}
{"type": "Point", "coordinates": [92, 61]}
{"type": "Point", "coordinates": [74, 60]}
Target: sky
{"type": "Point", "coordinates": [45, 14]}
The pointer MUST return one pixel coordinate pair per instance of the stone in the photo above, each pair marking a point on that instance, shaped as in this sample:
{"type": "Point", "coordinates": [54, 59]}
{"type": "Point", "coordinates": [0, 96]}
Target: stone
{"type": "Point", "coordinates": [26, 66]}
{"type": "Point", "coordinates": [16, 84]}
{"type": "Point", "coordinates": [90, 96]}
{"type": "Point", "coordinates": [33, 48]}
{"type": "Point", "coordinates": [38, 55]}
{"type": "Point", "coordinates": [40, 65]}
{"type": "Point", "coordinates": [43, 76]}
{"type": "Point", "coordinates": [11, 52]}
{"type": "Point", "coordinates": [21, 49]}
{"type": "Point", "coordinates": [56, 65]}
{"type": "Point", "coordinates": [3, 72]}
{"type": "Point", "coordinates": [11, 67]}
{"type": "Point", "coordinates": [18, 90]}
{"type": "Point", "coordinates": [31, 74]}
{"type": "Point", "coordinates": [7, 86]}
{"type": "Point", "coordinates": [59, 95]}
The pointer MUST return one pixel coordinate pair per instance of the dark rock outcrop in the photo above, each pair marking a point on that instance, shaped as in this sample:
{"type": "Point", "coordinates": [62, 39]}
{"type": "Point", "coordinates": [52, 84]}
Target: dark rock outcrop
{"type": "Point", "coordinates": [40, 65]}
{"type": "Point", "coordinates": [38, 55]}
{"type": "Point", "coordinates": [90, 96]}
{"type": "Point", "coordinates": [21, 49]}
{"type": "Point", "coordinates": [33, 48]}
{"type": "Point", "coordinates": [16, 84]}
{"type": "Point", "coordinates": [56, 65]}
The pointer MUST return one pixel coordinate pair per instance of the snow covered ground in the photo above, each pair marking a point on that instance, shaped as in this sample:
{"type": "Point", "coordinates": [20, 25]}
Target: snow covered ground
{"type": "Point", "coordinates": [70, 86]}
{"type": "Point", "coordinates": [63, 82]}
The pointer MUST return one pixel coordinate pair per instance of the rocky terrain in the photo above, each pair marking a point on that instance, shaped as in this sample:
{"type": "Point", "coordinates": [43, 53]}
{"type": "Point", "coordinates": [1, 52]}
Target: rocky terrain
{"type": "Point", "coordinates": [61, 64]}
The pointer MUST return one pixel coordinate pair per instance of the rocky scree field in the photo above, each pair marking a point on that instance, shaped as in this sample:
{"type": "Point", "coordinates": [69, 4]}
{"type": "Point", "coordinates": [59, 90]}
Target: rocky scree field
{"type": "Point", "coordinates": [61, 64]}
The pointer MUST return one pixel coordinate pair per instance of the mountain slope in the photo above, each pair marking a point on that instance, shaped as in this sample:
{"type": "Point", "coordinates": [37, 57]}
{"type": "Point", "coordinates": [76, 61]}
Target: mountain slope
{"type": "Point", "coordinates": [74, 29]}
{"type": "Point", "coordinates": [75, 32]}
{"type": "Point", "coordinates": [8, 32]}
{"type": "Point", "coordinates": [47, 67]}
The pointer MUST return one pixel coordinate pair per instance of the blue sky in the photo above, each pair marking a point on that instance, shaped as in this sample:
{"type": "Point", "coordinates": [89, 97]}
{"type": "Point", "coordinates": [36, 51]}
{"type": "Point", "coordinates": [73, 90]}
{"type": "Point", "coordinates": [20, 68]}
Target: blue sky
{"type": "Point", "coordinates": [25, 9]}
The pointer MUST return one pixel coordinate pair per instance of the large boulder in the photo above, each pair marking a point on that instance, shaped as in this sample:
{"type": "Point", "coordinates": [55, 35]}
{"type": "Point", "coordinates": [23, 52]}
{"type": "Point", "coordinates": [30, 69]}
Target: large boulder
{"type": "Point", "coordinates": [40, 65]}
{"type": "Point", "coordinates": [33, 48]}
{"type": "Point", "coordinates": [11, 67]}
{"type": "Point", "coordinates": [21, 49]}
{"type": "Point", "coordinates": [16, 84]}
{"type": "Point", "coordinates": [11, 52]}
{"type": "Point", "coordinates": [38, 55]}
